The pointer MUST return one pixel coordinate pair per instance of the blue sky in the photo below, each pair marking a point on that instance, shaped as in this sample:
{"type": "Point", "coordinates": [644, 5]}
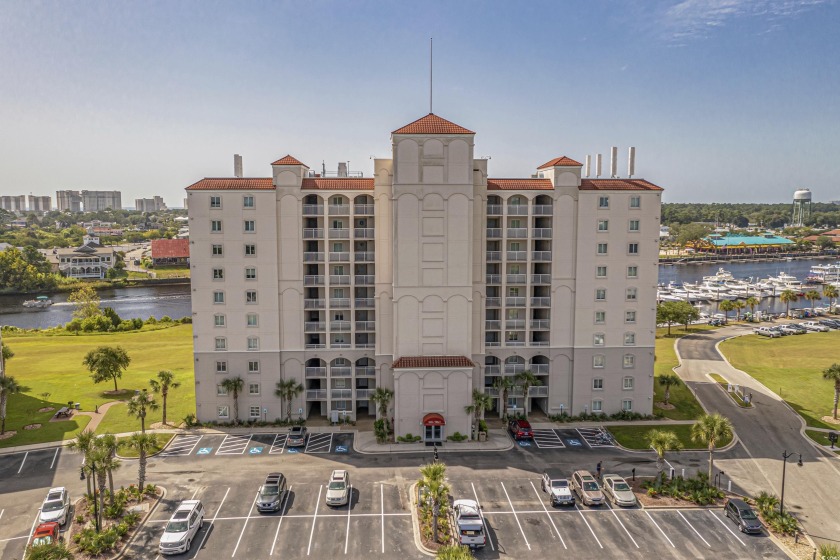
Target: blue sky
{"type": "Point", "coordinates": [725, 100]}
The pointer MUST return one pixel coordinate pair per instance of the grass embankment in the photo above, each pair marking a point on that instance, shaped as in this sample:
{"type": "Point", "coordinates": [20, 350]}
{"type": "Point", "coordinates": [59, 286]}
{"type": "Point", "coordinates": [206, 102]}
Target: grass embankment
{"type": "Point", "coordinates": [636, 437]}
{"type": "Point", "coordinates": [822, 439]}
{"type": "Point", "coordinates": [52, 363]}
{"type": "Point", "coordinates": [171, 272]}
{"type": "Point", "coordinates": [686, 406]}
{"type": "Point", "coordinates": [792, 367]}
{"type": "Point", "coordinates": [160, 442]}
{"type": "Point", "coordinates": [736, 398]}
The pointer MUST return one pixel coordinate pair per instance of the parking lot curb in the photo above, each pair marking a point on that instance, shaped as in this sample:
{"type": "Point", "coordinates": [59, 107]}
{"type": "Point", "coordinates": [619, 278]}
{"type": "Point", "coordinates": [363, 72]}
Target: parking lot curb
{"type": "Point", "coordinates": [441, 449]}
{"type": "Point", "coordinates": [415, 523]}
{"type": "Point", "coordinates": [122, 552]}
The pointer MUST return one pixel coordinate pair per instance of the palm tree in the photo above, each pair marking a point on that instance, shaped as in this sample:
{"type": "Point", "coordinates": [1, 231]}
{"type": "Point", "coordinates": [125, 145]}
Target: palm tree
{"type": "Point", "coordinates": [669, 380]}
{"type": "Point", "coordinates": [233, 385]}
{"type": "Point", "coordinates": [787, 297]}
{"type": "Point", "coordinates": [662, 441]}
{"type": "Point", "coordinates": [752, 302]}
{"type": "Point", "coordinates": [142, 443]}
{"type": "Point", "coordinates": [454, 552]}
{"type": "Point", "coordinates": [433, 481]}
{"type": "Point", "coordinates": [165, 381]}
{"type": "Point", "coordinates": [139, 405]}
{"type": "Point", "coordinates": [481, 401]}
{"type": "Point", "coordinates": [99, 460]}
{"type": "Point", "coordinates": [83, 444]}
{"type": "Point", "coordinates": [812, 296]}
{"type": "Point", "coordinates": [382, 397]}
{"type": "Point", "coordinates": [109, 442]}
{"type": "Point", "coordinates": [503, 385]}
{"type": "Point", "coordinates": [726, 306]}
{"type": "Point", "coordinates": [526, 380]}
{"type": "Point", "coordinates": [287, 391]}
{"type": "Point", "coordinates": [832, 373]}
{"type": "Point", "coordinates": [738, 305]}
{"type": "Point", "coordinates": [710, 429]}
{"type": "Point", "coordinates": [8, 386]}
{"type": "Point", "coordinates": [830, 291]}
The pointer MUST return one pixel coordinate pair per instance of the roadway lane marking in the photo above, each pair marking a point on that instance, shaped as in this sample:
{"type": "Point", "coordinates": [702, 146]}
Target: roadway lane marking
{"type": "Point", "coordinates": [588, 525]}
{"type": "Point", "coordinates": [693, 529]}
{"type": "Point", "coordinates": [382, 512]}
{"type": "Point", "coordinates": [349, 503]}
{"type": "Point", "coordinates": [314, 519]}
{"type": "Point", "coordinates": [54, 458]}
{"type": "Point", "coordinates": [15, 538]}
{"type": "Point", "coordinates": [209, 527]}
{"type": "Point", "coordinates": [660, 529]}
{"type": "Point", "coordinates": [622, 524]}
{"type": "Point", "coordinates": [1, 513]}
{"type": "Point", "coordinates": [727, 528]}
{"type": "Point", "coordinates": [547, 514]}
{"type": "Point", "coordinates": [282, 514]}
{"type": "Point", "coordinates": [25, 455]}
{"type": "Point", "coordinates": [484, 520]}
{"type": "Point", "coordinates": [234, 444]}
{"type": "Point", "coordinates": [515, 516]}
{"type": "Point", "coordinates": [244, 525]}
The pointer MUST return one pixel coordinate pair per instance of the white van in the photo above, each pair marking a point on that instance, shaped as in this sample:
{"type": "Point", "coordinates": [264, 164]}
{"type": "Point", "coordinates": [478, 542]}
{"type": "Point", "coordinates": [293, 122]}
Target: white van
{"type": "Point", "coordinates": [470, 524]}
{"type": "Point", "coordinates": [182, 527]}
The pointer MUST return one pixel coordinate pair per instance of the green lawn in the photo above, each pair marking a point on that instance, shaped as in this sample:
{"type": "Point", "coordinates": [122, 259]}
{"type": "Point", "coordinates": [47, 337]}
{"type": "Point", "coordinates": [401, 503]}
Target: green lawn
{"type": "Point", "coordinates": [687, 407]}
{"type": "Point", "coordinates": [53, 364]}
{"type": "Point", "coordinates": [792, 367]}
{"type": "Point", "coordinates": [635, 437]}
{"type": "Point", "coordinates": [160, 442]}
{"type": "Point", "coordinates": [171, 272]}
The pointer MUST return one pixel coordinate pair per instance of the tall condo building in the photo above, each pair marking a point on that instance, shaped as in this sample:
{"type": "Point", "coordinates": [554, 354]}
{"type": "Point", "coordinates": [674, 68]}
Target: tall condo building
{"type": "Point", "coordinates": [94, 201]}
{"type": "Point", "coordinates": [155, 204]}
{"type": "Point", "coordinates": [68, 201]}
{"type": "Point", "coordinates": [40, 204]}
{"type": "Point", "coordinates": [430, 279]}
{"type": "Point", "coordinates": [16, 203]}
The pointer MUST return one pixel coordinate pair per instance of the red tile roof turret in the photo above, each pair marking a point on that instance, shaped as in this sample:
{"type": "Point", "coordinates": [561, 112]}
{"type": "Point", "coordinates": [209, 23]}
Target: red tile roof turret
{"type": "Point", "coordinates": [411, 362]}
{"type": "Point", "coordinates": [289, 160]}
{"type": "Point", "coordinates": [233, 184]}
{"type": "Point", "coordinates": [561, 161]}
{"type": "Point", "coordinates": [432, 124]}
{"type": "Point", "coordinates": [338, 183]}
{"type": "Point", "coordinates": [519, 185]}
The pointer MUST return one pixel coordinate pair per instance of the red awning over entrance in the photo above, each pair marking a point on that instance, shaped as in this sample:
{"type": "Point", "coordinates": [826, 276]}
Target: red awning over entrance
{"type": "Point", "coordinates": [433, 419]}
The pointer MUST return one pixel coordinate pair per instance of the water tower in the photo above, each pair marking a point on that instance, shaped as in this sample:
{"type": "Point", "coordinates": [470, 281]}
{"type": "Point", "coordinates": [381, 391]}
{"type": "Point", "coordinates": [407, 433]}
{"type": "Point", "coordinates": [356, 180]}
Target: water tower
{"type": "Point", "coordinates": [801, 207]}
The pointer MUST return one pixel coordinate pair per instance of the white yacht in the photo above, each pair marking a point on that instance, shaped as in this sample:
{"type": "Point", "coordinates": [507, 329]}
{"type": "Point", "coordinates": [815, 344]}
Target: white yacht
{"type": "Point", "coordinates": [825, 272]}
{"type": "Point", "coordinates": [720, 276]}
{"type": "Point", "coordinates": [785, 281]}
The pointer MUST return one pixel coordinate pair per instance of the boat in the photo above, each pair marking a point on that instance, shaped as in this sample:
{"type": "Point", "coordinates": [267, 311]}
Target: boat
{"type": "Point", "coordinates": [720, 276]}
{"type": "Point", "coordinates": [825, 273]}
{"type": "Point", "coordinates": [40, 302]}
{"type": "Point", "coordinates": [786, 281]}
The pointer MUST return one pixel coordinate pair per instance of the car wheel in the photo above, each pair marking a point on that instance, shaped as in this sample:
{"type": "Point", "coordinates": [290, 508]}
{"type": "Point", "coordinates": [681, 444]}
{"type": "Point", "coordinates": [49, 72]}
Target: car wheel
{"type": "Point", "coordinates": [189, 543]}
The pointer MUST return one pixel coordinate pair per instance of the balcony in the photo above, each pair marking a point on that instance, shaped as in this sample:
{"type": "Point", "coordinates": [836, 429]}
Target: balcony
{"type": "Point", "coordinates": [541, 233]}
{"type": "Point", "coordinates": [494, 302]}
{"type": "Point", "coordinates": [366, 371]}
{"type": "Point", "coordinates": [339, 233]}
{"type": "Point", "coordinates": [542, 210]}
{"type": "Point", "coordinates": [515, 324]}
{"type": "Point", "coordinates": [540, 324]}
{"type": "Point", "coordinates": [316, 372]}
{"type": "Point", "coordinates": [340, 303]}
{"type": "Point", "coordinates": [492, 343]}
{"type": "Point", "coordinates": [313, 257]}
{"type": "Point", "coordinates": [364, 233]}
{"type": "Point", "coordinates": [541, 279]}
{"type": "Point", "coordinates": [340, 279]}
{"type": "Point", "coordinates": [314, 326]}
{"type": "Point", "coordinates": [313, 304]}
{"type": "Point", "coordinates": [365, 303]}
{"type": "Point", "coordinates": [316, 394]}
{"type": "Point", "coordinates": [315, 345]}
{"type": "Point", "coordinates": [539, 369]}
{"type": "Point", "coordinates": [313, 209]}
{"type": "Point", "coordinates": [339, 209]}
{"type": "Point", "coordinates": [540, 302]}
{"type": "Point", "coordinates": [517, 210]}
{"type": "Point", "coordinates": [493, 256]}
{"type": "Point", "coordinates": [515, 301]}
{"type": "Point", "coordinates": [538, 391]}
{"type": "Point", "coordinates": [341, 394]}
{"type": "Point", "coordinates": [492, 391]}
{"type": "Point", "coordinates": [517, 256]}
{"type": "Point", "coordinates": [363, 209]}
{"type": "Point", "coordinates": [516, 278]}
{"type": "Point", "coordinates": [364, 256]}
{"type": "Point", "coordinates": [341, 256]}
{"type": "Point", "coordinates": [494, 233]}
{"type": "Point", "coordinates": [514, 343]}
{"type": "Point", "coordinates": [494, 209]}
{"type": "Point", "coordinates": [313, 233]}
{"type": "Point", "coordinates": [365, 280]}
{"type": "Point", "coordinates": [538, 343]}
{"type": "Point", "coordinates": [364, 394]}
{"type": "Point", "coordinates": [517, 233]}
{"type": "Point", "coordinates": [492, 325]}
{"type": "Point", "coordinates": [494, 279]}
{"type": "Point", "coordinates": [339, 325]}
{"type": "Point", "coordinates": [513, 369]}
{"type": "Point", "coordinates": [340, 345]}
{"type": "Point", "coordinates": [541, 256]}
{"type": "Point", "coordinates": [366, 326]}
{"type": "Point", "coordinates": [313, 280]}
{"type": "Point", "coordinates": [492, 370]}
{"type": "Point", "coordinates": [341, 371]}
{"type": "Point", "coordinates": [366, 345]}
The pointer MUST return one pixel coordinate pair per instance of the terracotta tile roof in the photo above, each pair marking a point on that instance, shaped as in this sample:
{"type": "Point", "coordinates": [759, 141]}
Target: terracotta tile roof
{"type": "Point", "coordinates": [233, 184]}
{"type": "Point", "coordinates": [341, 183]}
{"type": "Point", "coordinates": [617, 185]}
{"type": "Point", "coordinates": [432, 124]}
{"type": "Point", "coordinates": [289, 160]}
{"type": "Point", "coordinates": [170, 248]}
{"type": "Point", "coordinates": [411, 362]}
{"type": "Point", "coordinates": [519, 185]}
{"type": "Point", "coordinates": [561, 161]}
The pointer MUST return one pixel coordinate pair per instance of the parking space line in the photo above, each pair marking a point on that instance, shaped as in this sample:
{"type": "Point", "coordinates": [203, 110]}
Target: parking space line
{"type": "Point", "coordinates": [31, 530]}
{"type": "Point", "coordinates": [484, 520]}
{"type": "Point", "coordinates": [597, 540]}
{"type": "Point", "coordinates": [244, 525]}
{"type": "Point", "coordinates": [209, 527]}
{"type": "Point", "coordinates": [237, 445]}
{"type": "Point", "coordinates": [15, 538]}
{"type": "Point", "coordinates": [693, 529]}
{"type": "Point", "coordinates": [25, 455]}
{"type": "Point", "coordinates": [1, 513]}
{"type": "Point", "coordinates": [515, 516]}
{"type": "Point", "coordinates": [182, 445]}
{"type": "Point", "coordinates": [314, 519]}
{"type": "Point", "coordinates": [548, 439]}
{"type": "Point", "coordinates": [315, 443]}
{"type": "Point", "coordinates": [622, 524]}
{"type": "Point", "coordinates": [660, 529]}
{"type": "Point", "coordinates": [548, 514]}
{"type": "Point", "coordinates": [349, 503]}
{"type": "Point", "coordinates": [282, 514]}
{"type": "Point", "coordinates": [727, 528]}
{"type": "Point", "coordinates": [382, 512]}
{"type": "Point", "coordinates": [54, 458]}
{"type": "Point", "coordinates": [275, 448]}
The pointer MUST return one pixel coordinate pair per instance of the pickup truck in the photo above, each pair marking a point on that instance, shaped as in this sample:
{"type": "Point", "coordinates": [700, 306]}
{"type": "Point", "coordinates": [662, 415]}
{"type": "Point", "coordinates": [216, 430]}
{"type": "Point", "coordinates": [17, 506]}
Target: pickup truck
{"type": "Point", "coordinates": [814, 326]}
{"type": "Point", "coordinates": [766, 331]}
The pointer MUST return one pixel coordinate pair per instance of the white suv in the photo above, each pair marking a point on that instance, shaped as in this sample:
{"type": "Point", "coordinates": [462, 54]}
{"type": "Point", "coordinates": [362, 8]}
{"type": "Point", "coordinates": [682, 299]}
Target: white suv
{"type": "Point", "coordinates": [338, 490]}
{"type": "Point", "coordinates": [182, 527]}
{"type": "Point", "coordinates": [56, 506]}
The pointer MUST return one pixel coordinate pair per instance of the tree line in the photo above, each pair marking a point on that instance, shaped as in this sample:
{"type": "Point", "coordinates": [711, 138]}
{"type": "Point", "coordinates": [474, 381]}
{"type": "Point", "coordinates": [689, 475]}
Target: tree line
{"type": "Point", "coordinates": [741, 215]}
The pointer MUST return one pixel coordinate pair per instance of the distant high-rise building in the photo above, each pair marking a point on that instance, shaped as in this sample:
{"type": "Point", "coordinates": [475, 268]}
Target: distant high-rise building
{"type": "Point", "coordinates": [16, 204]}
{"type": "Point", "coordinates": [149, 204]}
{"type": "Point", "coordinates": [40, 204]}
{"type": "Point", "coordinates": [237, 165]}
{"type": "Point", "coordinates": [68, 201]}
{"type": "Point", "coordinates": [94, 201]}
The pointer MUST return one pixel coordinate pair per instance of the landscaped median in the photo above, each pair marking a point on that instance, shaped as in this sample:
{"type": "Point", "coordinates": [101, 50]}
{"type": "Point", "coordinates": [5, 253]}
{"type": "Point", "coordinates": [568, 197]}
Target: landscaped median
{"type": "Point", "coordinates": [159, 441]}
{"type": "Point", "coordinates": [636, 436]}
{"type": "Point", "coordinates": [730, 390]}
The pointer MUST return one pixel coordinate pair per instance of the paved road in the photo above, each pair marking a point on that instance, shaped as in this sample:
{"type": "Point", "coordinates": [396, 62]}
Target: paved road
{"type": "Point", "coordinates": [765, 431]}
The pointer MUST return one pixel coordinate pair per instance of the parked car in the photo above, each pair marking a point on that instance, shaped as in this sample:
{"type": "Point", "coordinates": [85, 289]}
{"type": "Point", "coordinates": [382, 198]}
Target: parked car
{"type": "Point", "coordinates": [296, 437]}
{"type": "Point", "coordinates": [520, 429]}
{"type": "Point", "coordinates": [271, 492]}
{"type": "Point", "coordinates": [798, 327]}
{"type": "Point", "coordinates": [56, 506]}
{"type": "Point", "coordinates": [46, 533]}
{"type": "Point", "coordinates": [766, 331]}
{"type": "Point", "coordinates": [470, 524]}
{"type": "Point", "coordinates": [814, 326]}
{"type": "Point", "coordinates": [558, 488]}
{"type": "Point", "coordinates": [587, 489]}
{"type": "Point", "coordinates": [742, 514]}
{"type": "Point", "coordinates": [830, 323]}
{"type": "Point", "coordinates": [617, 490]}
{"type": "Point", "coordinates": [179, 533]}
{"type": "Point", "coordinates": [338, 488]}
{"type": "Point", "coordinates": [787, 329]}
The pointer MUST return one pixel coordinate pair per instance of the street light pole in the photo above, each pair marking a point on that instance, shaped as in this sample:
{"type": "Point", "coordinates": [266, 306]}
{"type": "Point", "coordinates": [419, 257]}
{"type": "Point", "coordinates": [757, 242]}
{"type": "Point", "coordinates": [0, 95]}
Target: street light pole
{"type": "Point", "coordinates": [785, 456]}
{"type": "Point", "coordinates": [95, 499]}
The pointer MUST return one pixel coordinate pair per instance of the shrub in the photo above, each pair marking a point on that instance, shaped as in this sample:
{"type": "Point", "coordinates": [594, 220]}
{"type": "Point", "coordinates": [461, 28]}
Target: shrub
{"type": "Point", "coordinates": [52, 551]}
{"type": "Point", "coordinates": [138, 322]}
{"type": "Point", "coordinates": [97, 323]}
{"type": "Point", "coordinates": [457, 436]}
{"type": "Point", "coordinates": [185, 320]}
{"type": "Point", "coordinates": [74, 326]}
{"type": "Point", "coordinates": [380, 430]}
{"type": "Point", "coordinates": [112, 316]}
{"type": "Point", "coordinates": [190, 420]}
{"type": "Point", "coordinates": [408, 438]}
{"type": "Point", "coordinates": [151, 320]}
{"type": "Point", "coordinates": [166, 319]}
{"type": "Point", "coordinates": [482, 426]}
{"type": "Point", "coordinates": [829, 552]}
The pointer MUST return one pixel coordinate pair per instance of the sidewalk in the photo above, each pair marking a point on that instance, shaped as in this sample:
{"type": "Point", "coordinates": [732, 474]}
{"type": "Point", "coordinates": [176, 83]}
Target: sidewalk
{"type": "Point", "coordinates": [497, 440]}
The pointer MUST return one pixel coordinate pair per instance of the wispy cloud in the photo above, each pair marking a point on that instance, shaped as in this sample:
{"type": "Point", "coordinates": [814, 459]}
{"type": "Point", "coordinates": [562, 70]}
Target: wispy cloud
{"type": "Point", "coordinates": [698, 19]}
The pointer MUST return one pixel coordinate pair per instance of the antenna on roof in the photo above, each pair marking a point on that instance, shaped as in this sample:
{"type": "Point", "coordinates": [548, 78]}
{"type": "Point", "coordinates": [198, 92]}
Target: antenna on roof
{"type": "Point", "coordinates": [597, 165]}
{"type": "Point", "coordinates": [631, 162]}
{"type": "Point", "coordinates": [431, 75]}
{"type": "Point", "coordinates": [613, 162]}
{"type": "Point", "coordinates": [588, 165]}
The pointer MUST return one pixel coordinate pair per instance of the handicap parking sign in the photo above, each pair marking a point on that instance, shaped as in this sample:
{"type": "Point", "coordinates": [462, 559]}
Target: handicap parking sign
{"type": "Point", "coordinates": [341, 449]}
{"type": "Point", "coordinates": [525, 444]}
{"type": "Point", "coordinates": [204, 451]}
{"type": "Point", "coordinates": [291, 450]}
{"type": "Point", "coordinates": [574, 442]}
{"type": "Point", "coordinates": [255, 450]}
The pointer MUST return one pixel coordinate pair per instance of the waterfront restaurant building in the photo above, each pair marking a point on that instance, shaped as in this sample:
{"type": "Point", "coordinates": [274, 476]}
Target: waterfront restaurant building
{"type": "Point", "coordinates": [428, 278]}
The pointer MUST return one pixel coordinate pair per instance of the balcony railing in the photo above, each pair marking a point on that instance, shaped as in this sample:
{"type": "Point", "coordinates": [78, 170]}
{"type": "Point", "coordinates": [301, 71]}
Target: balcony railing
{"type": "Point", "coordinates": [492, 325]}
{"type": "Point", "coordinates": [313, 257]}
{"type": "Point", "coordinates": [363, 209]}
{"type": "Point", "coordinates": [313, 304]}
{"type": "Point", "coordinates": [366, 371]}
{"type": "Point", "coordinates": [540, 324]}
{"type": "Point", "coordinates": [513, 369]}
{"type": "Point", "coordinates": [316, 372]}
{"type": "Point", "coordinates": [494, 302]}
{"type": "Point", "coordinates": [494, 209]}
{"type": "Point", "coordinates": [339, 325]}
{"type": "Point", "coordinates": [492, 391]}
{"type": "Point", "coordinates": [339, 209]}
{"type": "Point", "coordinates": [517, 324]}
{"type": "Point", "coordinates": [517, 256]}
{"type": "Point", "coordinates": [494, 256]}
{"type": "Point", "coordinates": [315, 345]}
{"type": "Point", "coordinates": [541, 233]}
{"type": "Point", "coordinates": [539, 343]}
{"type": "Point", "coordinates": [492, 343]}
{"type": "Point", "coordinates": [364, 394]}
{"type": "Point", "coordinates": [340, 303]}
{"type": "Point", "coordinates": [341, 256]}
{"type": "Point", "coordinates": [313, 233]}
{"type": "Point", "coordinates": [364, 256]}
{"type": "Point", "coordinates": [364, 233]}
{"type": "Point", "coordinates": [494, 233]}
{"type": "Point", "coordinates": [314, 326]}
{"type": "Point", "coordinates": [313, 280]}
{"type": "Point", "coordinates": [516, 278]}
{"type": "Point", "coordinates": [316, 394]}
{"type": "Point", "coordinates": [517, 210]}
{"type": "Point", "coordinates": [541, 279]}
{"type": "Point", "coordinates": [517, 233]}
{"type": "Point", "coordinates": [539, 369]}
{"type": "Point", "coordinates": [515, 301]}
{"type": "Point", "coordinates": [542, 210]}
{"type": "Point", "coordinates": [540, 302]}
{"type": "Point", "coordinates": [339, 345]}
{"type": "Point", "coordinates": [365, 345]}
{"type": "Point", "coordinates": [365, 280]}
{"type": "Point", "coordinates": [341, 371]}
{"type": "Point", "coordinates": [494, 279]}
{"type": "Point", "coordinates": [492, 370]}
{"type": "Point", "coordinates": [339, 233]}
{"type": "Point", "coordinates": [543, 256]}
{"type": "Point", "coordinates": [340, 279]}
{"type": "Point", "coordinates": [341, 394]}
{"type": "Point", "coordinates": [538, 391]}
{"type": "Point", "coordinates": [365, 325]}
{"type": "Point", "coordinates": [365, 303]}
{"type": "Point", "coordinates": [313, 209]}
{"type": "Point", "coordinates": [514, 343]}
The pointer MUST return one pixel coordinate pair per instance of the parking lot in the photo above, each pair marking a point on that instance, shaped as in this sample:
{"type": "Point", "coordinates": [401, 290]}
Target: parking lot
{"type": "Point", "coordinates": [274, 443]}
{"type": "Point", "coordinates": [573, 438]}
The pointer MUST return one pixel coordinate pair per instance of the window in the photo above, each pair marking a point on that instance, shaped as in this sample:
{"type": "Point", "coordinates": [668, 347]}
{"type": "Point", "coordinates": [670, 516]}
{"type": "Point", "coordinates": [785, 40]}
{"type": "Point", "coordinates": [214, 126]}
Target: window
{"type": "Point", "coordinates": [217, 251]}
{"type": "Point", "coordinates": [250, 250]}
{"type": "Point", "coordinates": [633, 248]}
{"type": "Point", "coordinates": [254, 411]}
{"type": "Point", "coordinates": [600, 294]}
{"type": "Point", "coordinates": [250, 226]}
{"type": "Point", "coordinates": [598, 339]}
{"type": "Point", "coordinates": [631, 294]}
{"type": "Point", "coordinates": [219, 320]}
{"type": "Point", "coordinates": [247, 201]}
{"type": "Point", "coordinates": [603, 225]}
{"type": "Point", "coordinates": [340, 383]}
{"type": "Point", "coordinates": [253, 343]}
{"type": "Point", "coordinates": [251, 296]}
{"type": "Point", "coordinates": [516, 224]}
{"type": "Point", "coordinates": [603, 202]}
{"type": "Point", "coordinates": [253, 388]}
{"type": "Point", "coordinates": [597, 406]}
{"type": "Point", "coordinates": [627, 405]}
{"type": "Point", "coordinates": [221, 390]}
{"type": "Point", "coordinates": [216, 226]}
{"type": "Point", "coordinates": [627, 383]}
{"type": "Point", "coordinates": [254, 366]}
{"type": "Point", "coordinates": [635, 202]}
{"type": "Point", "coordinates": [634, 225]}
{"type": "Point", "coordinates": [629, 361]}
{"type": "Point", "coordinates": [629, 316]}
{"type": "Point", "coordinates": [337, 224]}
{"type": "Point", "coordinates": [598, 361]}
{"type": "Point", "coordinates": [215, 202]}
{"type": "Point", "coordinates": [598, 384]}
{"type": "Point", "coordinates": [600, 317]}
{"type": "Point", "coordinates": [218, 274]}
{"type": "Point", "coordinates": [221, 343]}
{"type": "Point", "coordinates": [222, 411]}
{"type": "Point", "coordinates": [629, 339]}
{"type": "Point", "coordinates": [632, 272]}
{"type": "Point", "coordinates": [218, 297]}
{"type": "Point", "coordinates": [250, 273]}
{"type": "Point", "coordinates": [252, 320]}
{"type": "Point", "coordinates": [221, 367]}
{"type": "Point", "coordinates": [515, 246]}
{"type": "Point", "coordinates": [602, 248]}
{"type": "Point", "coordinates": [601, 272]}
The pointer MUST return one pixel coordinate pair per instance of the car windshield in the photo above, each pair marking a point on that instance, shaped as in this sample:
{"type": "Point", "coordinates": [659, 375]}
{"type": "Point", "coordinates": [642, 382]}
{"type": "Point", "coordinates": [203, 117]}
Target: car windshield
{"type": "Point", "coordinates": [270, 490]}
{"type": "Point", "coordinates": [46, 539]}
{"type": "Point", "coordinates": [621, 487]}
{"type": "Point", "coordinates": [337, 485]}
{"type": "Point", "coordinates": [747, 514]}
{"type": "Point", "coordinates": [559, 483]}
{"type": "Point", "coordinates": [177, 526]}
{"type": "Point", "coordinates": [53, 506]}
{"type": "Point", "coordinates": [590, 486]}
